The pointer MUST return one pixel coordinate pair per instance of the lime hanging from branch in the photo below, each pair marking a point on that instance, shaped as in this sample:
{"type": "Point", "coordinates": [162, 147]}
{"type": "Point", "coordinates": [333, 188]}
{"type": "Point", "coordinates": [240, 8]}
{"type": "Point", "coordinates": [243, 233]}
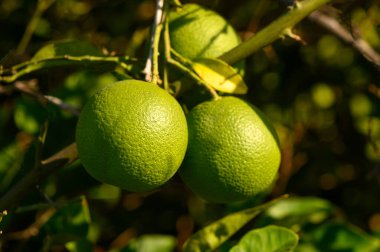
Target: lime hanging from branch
{"type": "Point", "coordinates": [132, 134]}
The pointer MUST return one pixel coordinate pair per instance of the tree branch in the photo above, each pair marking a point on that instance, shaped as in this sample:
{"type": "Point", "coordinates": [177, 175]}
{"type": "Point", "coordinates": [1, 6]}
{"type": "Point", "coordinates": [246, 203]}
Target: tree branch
{"type": "Point", "coordinates": [151, 67]}
{"type": "Point", "coordinates": [10, 75]}
{"type": "Point", "coordinates": [62, 158]}
{"type": "Point", "coordinates": [273, 31]}
{"type": "Point", "coordinates": [336, 28]}
{"type": "Point", "coordinates": [24, 88]}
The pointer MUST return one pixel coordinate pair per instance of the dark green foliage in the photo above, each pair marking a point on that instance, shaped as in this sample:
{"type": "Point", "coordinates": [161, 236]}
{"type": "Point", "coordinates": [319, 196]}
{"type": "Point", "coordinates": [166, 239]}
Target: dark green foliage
{"type": "Point", "coordinates": [321, 93]}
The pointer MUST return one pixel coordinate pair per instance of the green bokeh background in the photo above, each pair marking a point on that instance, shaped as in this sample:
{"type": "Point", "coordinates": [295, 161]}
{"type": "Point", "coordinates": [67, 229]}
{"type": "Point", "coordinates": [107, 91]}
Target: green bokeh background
{"type": "Point", "coordinates": [322, 96]}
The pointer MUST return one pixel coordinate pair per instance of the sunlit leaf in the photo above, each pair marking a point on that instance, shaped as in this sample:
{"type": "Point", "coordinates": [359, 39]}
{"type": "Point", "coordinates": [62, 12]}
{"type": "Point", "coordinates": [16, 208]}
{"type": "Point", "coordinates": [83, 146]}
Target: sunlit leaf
{"type": "Point", "coordinates": [79, 245]}
{"type": "Point", "coordinates": [70, 222]}
{"type": "Point", "coordinates": [342, 237]}
{"type": "Point", "coordinates": [69, 47]}
{"type": "Point", "coordinates": [213, 235]}
{"type": "Point", "coordinates": [105, 192]}
{"type": "Point", "coordinates": [300, 209]}
{"type": "Point", "coordinates": [267, 239]}
{"type": "Point", "coordinates": [220, 75]}
{"type": "Point", "coordinates": [63, 54]}
{"type": "Point", "coordinates": [152, 243]}
{"type": "Point", "coordinates": [29, 115]}
{"type": "Point", "coordinates": [11, 158]}
{"type": "Point", "coordinates": [81, 85]}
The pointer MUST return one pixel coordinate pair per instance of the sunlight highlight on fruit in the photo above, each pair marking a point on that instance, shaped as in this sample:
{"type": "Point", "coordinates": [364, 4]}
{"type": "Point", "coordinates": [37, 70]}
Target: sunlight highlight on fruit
{"type": "Point", "coordinates": [133, 135]}
{"type": "Point", "coordinates": [233, 151]}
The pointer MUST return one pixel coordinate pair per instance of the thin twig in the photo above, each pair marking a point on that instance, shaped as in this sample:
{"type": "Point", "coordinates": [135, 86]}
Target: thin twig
{"type": "Point", "coordinates": [151, 68]}
{"type": "Point", "coordinates": [24, 88]}
{"type": "Point", "coordinates": [333, 25]}
{"type": "Point", "coordinates": [33, 229]}
{"type": "Point", "coordinates": [65, 106]}
{"type": "Point", "coordinates": [48, 166]}
{"type": "Point", "coordinates": [12, 74]}
{"type": "Point", "coordinates": [42, 6]}
{"type": "Point", "coordinates": [194, 76]}
{"type": "Point", "coordinates": [166, 51]}
{"type": "Point", "coordinates": [155, 77]}
{"type": "Point", "coordinates": [273, 31]}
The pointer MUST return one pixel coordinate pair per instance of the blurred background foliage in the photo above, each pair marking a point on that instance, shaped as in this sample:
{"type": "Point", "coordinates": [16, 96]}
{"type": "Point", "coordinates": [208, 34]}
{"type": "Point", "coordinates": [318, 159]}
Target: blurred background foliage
{"type": "Point", "coordinates": [322, 95]}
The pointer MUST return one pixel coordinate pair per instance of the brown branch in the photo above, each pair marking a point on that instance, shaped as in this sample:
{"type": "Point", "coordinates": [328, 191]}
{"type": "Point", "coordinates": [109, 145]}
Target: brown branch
{"type": "Point", "coordinates": [33, 229]}
{"type": "Point", "coordinates": [48, 166]}
{"type": "Point", "coordinates": [24, 87]}
{"type": "Point", "coordinates": [339, 30]}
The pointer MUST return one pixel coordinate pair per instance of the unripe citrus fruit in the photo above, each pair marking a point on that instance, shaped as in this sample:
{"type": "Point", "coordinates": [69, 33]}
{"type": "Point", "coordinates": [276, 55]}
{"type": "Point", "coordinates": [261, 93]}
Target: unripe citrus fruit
{"type": "Point", "coordinates": [232, 154]}
{"type": "Point", "coordinates": [132, 134]}
{"type": "Point", "coordinates": [196, 32]}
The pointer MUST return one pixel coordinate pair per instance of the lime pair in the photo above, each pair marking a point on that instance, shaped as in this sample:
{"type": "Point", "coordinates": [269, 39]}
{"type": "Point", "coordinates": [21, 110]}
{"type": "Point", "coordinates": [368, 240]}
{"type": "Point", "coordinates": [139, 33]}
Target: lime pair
{"type": "Point", "coordinates": [134, 135]}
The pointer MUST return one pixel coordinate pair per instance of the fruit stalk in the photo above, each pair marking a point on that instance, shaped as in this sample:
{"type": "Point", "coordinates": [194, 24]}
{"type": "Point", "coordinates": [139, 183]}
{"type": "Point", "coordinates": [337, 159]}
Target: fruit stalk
{"type": "Point", "coordinates": [151, 66]}
{"type": "Point", "coordinates": [333, 25]}
{"type": "Point", "coordinates": [273, 31]}
{"type": "Point", "coordinates": [181, 65]}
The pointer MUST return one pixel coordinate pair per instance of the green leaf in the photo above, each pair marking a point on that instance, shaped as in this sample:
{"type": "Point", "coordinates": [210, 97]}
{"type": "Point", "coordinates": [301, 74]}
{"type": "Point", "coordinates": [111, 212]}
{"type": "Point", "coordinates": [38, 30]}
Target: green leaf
{"type": "Point", "coordinates": [70, 54]}
{"type": "Point", "coordinates": [267, 239]}
{"type": "Point", "coordinates": [219, 75]}
{"type": "Point", "coordinates": [70, 222]}
{"type": "Point", "coordinates": [338, 237]}
{"type": "Point", "coordinates": [11, 157]}
{"type": "Point", "coordinates": [79, 245]}
{"type": "Point", "coordinates": [152, 243]}
{"type": "Point", "coordinates": [301, 209]}
{"type": "Point", "coordinates": [81, 85]}
{"type": "Point", "coordinates": [29, 115]}
{"type": "Point", "coordinates": [69, 47]}
{"type": "Point", "coordinates": [213, 235]}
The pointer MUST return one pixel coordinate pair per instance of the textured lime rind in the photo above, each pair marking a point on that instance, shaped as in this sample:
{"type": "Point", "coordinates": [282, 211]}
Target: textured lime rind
{"type": "Point", "coordinates": [196, 32]}
{"type": "Point", "coordinates": [207, 32]}
{"type": "Point", "coordinates": [132, 134]}
{"type": "Point", "coordinates": [233, 152]}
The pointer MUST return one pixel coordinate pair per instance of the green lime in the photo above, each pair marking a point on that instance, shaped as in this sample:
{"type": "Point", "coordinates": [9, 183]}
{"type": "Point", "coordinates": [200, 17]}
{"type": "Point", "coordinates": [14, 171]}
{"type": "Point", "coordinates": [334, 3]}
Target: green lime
{"type": "Point", "coordinates": [132, 134]}
{"type": "Point", "coordinates": [196, 32]}
{"type": "Point", "coordinates": [233, 152]}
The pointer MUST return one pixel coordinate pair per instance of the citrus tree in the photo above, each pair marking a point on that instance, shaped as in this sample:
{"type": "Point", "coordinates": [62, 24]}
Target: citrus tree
{"type": "Point", "coordinates": [170, 126]}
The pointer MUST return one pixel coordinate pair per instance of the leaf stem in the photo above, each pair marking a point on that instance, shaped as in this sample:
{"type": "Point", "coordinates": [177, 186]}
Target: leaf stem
{"type": "Point", "coordinates": [155, 76]}
{"type": "Point", "coordinates": [273, 31]}
{"type": "Point", "coordinates": [183, 68]}
{"type": "Point", "coordinates": [27, 67]}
